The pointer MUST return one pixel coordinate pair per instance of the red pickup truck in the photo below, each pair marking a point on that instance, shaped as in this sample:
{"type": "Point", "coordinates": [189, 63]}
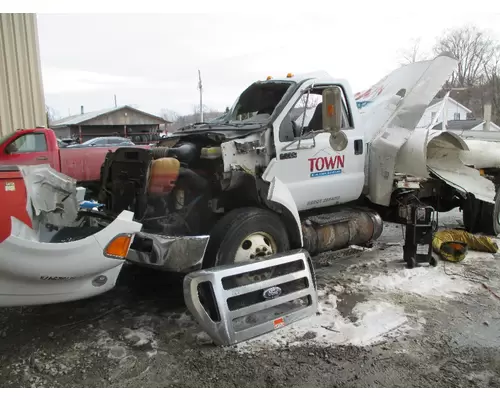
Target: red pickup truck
{"type": "Point", "coordinates": [39, 146]}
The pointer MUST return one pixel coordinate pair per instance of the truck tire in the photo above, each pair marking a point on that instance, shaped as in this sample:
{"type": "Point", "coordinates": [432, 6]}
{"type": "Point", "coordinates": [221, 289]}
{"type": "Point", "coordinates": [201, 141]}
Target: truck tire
{"type": "Point", "coordinates": [490, 216]}
{"type": "Point", "coordinates": [245, 234]}
{"type": "Point", "coordinates": [470, 214]}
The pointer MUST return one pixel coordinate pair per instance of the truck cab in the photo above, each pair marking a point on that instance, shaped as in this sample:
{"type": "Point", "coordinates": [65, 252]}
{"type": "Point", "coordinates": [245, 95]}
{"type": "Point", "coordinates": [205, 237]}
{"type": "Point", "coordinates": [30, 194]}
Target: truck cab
{"type": "Point", "coordinates": [304, 159]}
{"type": "Point", "coordinates": [30, 147]}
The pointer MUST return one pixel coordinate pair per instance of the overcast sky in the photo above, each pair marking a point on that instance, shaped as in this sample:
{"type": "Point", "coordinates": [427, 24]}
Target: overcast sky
{"type": "Point", "coordinates": [151, 60]}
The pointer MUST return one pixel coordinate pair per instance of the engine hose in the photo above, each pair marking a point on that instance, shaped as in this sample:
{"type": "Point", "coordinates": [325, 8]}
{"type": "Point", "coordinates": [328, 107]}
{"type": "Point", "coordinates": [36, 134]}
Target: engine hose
{"type": "Point", "coordinates": [160, 152]}
{"type": "Point", "coordinates": [185, 152]}
{"type": "Point", "coordinates": [192, 179]}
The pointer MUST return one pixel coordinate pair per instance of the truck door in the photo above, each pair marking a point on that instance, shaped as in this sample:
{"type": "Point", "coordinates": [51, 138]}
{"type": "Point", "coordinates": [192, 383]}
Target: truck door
{"type": "Point", "coordinates": [315, 174]}
{"type": "Point", "coordinates": [30, 149]}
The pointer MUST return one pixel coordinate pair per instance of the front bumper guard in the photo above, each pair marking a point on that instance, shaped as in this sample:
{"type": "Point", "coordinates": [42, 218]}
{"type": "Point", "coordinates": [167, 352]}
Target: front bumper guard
{"type": "Point", "coordinates": [232, 311]}
{"type": "Point", "coordinates": [179, 254]}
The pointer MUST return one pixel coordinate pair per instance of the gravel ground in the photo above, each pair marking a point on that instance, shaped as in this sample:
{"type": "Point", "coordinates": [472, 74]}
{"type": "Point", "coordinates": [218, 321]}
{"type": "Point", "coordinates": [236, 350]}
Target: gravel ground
{"type": "Point", "coordinates": [379, 325]}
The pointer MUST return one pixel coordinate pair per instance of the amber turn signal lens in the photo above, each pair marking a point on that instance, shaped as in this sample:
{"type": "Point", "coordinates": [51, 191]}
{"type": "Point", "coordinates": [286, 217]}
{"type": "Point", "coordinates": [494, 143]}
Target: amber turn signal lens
{"type": "Point", "coordinates": [118, 247]}
{"type": "Point", "coordinates": [331, 110]}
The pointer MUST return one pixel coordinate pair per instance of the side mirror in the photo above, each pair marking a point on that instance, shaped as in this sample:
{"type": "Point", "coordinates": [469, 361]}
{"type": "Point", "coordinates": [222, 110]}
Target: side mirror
{"type": "Point", "coordinates": [332, 117]}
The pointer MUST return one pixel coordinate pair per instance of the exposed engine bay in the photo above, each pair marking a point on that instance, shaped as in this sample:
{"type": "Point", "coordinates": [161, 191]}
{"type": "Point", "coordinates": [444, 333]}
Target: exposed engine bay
{"type": "Point", "coordinates": [169, 189]}
{"type": "Point", "coordinates": [179, 187]}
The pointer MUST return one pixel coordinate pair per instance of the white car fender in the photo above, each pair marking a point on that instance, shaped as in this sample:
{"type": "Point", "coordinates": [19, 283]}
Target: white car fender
{"type": "Point", "coordinates": [279, 193]}
{"type": "Point", "coordinates": [33, 272]}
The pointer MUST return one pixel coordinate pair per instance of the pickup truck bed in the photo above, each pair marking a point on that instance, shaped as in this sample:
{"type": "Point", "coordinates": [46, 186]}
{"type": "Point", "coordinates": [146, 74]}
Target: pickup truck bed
{"type": "Point", "coordinates": [83, 164]}
{"type": "Point", "coordinates": [39, 146]}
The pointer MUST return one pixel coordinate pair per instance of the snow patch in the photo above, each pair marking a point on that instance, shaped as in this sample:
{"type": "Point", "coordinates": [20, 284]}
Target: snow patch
{"type": "Point", "coordinates": [374, 321]}
{"type": "Point", "coordinates": [115, 350]}
{"type": "Point", "coordinates": [478, 256]}
{"type": "Point", "coordinates": [142, 337]}
{"type": "Point", "coordinates": [118, 349]}
{"type": "Point", "coordinates": [422, 281]}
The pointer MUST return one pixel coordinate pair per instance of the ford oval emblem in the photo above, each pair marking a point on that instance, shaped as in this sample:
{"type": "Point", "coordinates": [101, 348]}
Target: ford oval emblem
{"type": "Point", "coordinates": [272, 293]}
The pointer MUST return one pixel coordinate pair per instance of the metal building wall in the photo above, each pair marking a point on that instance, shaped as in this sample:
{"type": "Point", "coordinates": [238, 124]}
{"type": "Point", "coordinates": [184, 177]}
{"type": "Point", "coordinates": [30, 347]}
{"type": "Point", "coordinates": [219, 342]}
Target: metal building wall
{"type": "Point", "coordinates": [22, 103]}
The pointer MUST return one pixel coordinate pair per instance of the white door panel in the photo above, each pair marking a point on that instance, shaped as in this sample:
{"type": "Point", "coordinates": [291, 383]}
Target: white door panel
{"type": "Point", "coordinates": [320, 176]}
{"type": "Point", "coordinates": [314, 173]}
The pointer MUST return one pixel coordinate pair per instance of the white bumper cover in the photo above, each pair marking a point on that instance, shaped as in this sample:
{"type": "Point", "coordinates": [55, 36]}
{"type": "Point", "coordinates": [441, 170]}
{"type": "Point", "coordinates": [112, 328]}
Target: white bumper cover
{"type": "Point", "coordinates": [33, 273]}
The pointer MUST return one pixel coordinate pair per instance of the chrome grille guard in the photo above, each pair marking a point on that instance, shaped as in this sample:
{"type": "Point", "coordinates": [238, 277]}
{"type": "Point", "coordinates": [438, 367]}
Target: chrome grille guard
{"type": "Point", "coordinates": [237, 302]}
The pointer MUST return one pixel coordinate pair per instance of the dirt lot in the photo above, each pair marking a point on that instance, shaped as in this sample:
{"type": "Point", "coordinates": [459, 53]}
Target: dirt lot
{"type": "Point", "coordinates": [379, 325]}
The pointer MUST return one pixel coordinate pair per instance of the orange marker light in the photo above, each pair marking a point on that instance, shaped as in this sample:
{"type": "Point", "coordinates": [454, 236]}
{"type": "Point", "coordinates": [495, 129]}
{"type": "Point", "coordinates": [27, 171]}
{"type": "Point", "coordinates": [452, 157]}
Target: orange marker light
{"type": "Point", "coordinates": [289, 75]}
{"type": "Point", "coordinates": [330, 110]}
{"type": "Point", "coordinates": [118, 247]}
{"type": "Point", "coordinates": [269, 78]}
{"type": "Point", "coordinates": [278, 323]}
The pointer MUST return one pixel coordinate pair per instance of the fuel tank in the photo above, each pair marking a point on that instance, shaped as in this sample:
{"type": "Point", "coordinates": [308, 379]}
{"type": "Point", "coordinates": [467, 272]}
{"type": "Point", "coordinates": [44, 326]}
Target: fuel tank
{"type": "Point", "coordinates": [338, 230]}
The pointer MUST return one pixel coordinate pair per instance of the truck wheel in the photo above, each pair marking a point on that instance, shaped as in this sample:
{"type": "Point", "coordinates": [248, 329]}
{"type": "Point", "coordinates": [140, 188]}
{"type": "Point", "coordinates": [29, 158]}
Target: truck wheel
{"type": "Point", "coordinates": [244, 235]}
{"type": "Point", "coordinates": [470, 214]}
{"type": "Point", "coordinates": [490, 216]}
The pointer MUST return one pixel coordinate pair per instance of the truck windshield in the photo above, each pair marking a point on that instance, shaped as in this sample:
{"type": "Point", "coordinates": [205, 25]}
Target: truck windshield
{"type": "Point", "coordinates": [257, 103]}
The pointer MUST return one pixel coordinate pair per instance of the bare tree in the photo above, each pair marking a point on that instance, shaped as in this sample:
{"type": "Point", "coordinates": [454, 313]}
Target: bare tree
{"type": "Point", "coordinates": [169, 115]}
{"type": "Point", "coordinates": [308, 102]}
{"type": "Point", "coordinates": [491, 89]}
{"type": "Point", "coordinates": [474, 50]}
{"type": "Point", "coordinates": [413, 53]}
{"type": "Point", "coordinates": [178, 121]}
{"type": "Point", "coordinates": [52, 115]}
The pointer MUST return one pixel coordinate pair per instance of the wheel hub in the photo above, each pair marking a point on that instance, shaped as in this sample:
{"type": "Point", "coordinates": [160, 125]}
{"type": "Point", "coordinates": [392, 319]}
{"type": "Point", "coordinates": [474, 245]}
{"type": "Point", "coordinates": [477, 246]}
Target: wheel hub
{"type": "Point", "coordinates": [254, 246]}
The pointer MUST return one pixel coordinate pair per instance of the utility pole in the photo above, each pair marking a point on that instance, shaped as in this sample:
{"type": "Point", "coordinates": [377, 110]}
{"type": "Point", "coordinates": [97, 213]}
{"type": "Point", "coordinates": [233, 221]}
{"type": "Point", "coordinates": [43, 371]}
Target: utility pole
{"type": "Point", "coordinates": [200, 87]}
{"type": "Point", "coordinates": [115, 100]}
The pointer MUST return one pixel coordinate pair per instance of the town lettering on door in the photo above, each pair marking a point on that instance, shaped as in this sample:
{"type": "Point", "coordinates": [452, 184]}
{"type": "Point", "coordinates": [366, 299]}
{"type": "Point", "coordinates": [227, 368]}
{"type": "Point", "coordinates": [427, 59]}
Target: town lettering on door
{"type": "Point", "coordinates": [323, 166]}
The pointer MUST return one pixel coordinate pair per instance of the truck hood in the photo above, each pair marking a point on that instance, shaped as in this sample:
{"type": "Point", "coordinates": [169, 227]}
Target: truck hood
{"type": "Point", "coordinates": [399, 99]}
{"type": "Point", "coordinates": [390, 112]}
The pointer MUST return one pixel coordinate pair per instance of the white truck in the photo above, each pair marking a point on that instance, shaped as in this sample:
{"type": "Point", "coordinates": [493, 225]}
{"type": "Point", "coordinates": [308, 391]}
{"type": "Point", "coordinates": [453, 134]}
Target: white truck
{"type": "Point", "coordinates": [299, 162]}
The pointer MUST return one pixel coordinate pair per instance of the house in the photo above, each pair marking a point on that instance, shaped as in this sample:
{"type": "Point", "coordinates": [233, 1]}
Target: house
{"type": "Point", "coordinates": [459, 117]}
{"type": "Point", "coordinates": [124, 121]}
{"type": "Point", "coordinates": [467, 125]}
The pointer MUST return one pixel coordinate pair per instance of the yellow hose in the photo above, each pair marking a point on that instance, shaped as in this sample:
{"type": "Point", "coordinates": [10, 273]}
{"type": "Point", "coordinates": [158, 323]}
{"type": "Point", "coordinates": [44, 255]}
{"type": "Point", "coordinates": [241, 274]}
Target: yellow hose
{"type": "Point", "coordinates": [452, 244]}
